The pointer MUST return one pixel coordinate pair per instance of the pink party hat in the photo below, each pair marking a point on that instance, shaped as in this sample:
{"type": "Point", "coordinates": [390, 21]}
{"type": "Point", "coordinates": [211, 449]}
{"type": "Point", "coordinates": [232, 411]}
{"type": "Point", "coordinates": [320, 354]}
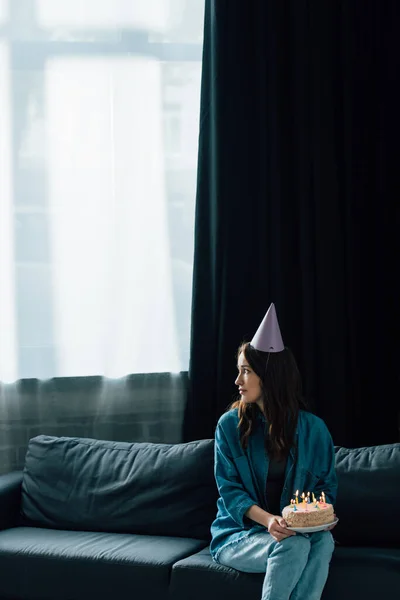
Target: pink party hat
{"type": "Point", "coordinates": [268, 336]}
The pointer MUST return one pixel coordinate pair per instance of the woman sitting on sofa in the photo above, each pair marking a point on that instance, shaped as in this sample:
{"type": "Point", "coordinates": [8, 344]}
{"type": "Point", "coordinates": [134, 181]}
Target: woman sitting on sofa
{"type": "Point", "coordinates": [266, 447]}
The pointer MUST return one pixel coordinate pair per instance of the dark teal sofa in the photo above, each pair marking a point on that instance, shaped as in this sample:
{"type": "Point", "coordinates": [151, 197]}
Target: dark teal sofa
{"type": "Point", "coordinates": [112, 520]}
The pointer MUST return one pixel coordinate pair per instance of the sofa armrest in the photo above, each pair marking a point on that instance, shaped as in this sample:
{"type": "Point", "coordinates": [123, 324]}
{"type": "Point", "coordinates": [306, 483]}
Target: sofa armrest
{"type": "Point", "coordinates": [10, 499]}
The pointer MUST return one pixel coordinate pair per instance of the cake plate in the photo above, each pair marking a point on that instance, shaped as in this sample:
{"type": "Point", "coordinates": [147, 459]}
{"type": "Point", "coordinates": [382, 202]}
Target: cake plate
{"type": "Point", "coordinates": [313, 529]}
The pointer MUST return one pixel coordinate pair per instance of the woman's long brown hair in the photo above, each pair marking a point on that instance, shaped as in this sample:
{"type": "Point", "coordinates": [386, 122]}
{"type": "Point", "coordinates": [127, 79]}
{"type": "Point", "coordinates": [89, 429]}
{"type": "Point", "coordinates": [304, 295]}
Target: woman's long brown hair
{"type": "Point", "coordinates": [281, 387]}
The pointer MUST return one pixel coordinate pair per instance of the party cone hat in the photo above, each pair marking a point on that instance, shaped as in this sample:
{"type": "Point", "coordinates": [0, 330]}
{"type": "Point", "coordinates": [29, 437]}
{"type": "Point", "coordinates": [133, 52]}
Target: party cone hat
{"type": "Point", "coordinates": [268, 337]}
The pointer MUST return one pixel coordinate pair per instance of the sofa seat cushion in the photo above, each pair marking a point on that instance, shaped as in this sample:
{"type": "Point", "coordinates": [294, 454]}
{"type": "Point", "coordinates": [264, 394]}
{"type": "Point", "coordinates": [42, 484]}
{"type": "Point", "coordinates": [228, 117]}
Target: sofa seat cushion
{"type": "Point", "coordinates": [207, 579]}
{"type": "Point", "coordinates": [364, 572]}
{"type": "Point", "coordinates": [370, 573]}
{"type": "Point", "coordinates": [75, 565]}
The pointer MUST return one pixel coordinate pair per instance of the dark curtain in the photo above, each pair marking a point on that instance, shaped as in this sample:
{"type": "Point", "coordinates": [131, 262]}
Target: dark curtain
{"type": "Point", "coordinates": [297, 204]}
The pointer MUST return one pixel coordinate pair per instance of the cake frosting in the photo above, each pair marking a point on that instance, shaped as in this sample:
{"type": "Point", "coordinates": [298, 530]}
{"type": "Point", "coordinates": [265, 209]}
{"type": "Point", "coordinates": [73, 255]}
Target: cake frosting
{"type": "Point", "coordinates": [308, 515]}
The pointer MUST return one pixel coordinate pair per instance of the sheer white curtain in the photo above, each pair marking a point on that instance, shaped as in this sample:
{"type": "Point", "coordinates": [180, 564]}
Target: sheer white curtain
{"type": "Point", "coordinates": [99, 107]}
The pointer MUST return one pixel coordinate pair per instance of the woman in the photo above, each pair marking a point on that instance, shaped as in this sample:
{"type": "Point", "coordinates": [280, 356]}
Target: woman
{"type": "Point", "coordinates": [267, 447]}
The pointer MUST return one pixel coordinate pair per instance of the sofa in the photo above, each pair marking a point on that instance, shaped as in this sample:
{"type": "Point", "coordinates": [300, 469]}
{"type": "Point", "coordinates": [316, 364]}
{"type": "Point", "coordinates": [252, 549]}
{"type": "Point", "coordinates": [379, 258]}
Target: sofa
{"type": "Point", "coordinates": [101, 519]}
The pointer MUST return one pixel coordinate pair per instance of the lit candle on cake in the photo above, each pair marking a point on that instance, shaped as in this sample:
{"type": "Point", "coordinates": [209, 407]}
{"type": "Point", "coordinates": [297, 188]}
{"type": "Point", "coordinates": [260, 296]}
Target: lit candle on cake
{"type": "Point", "coordinates": [304, 497]}
{"type": "Point", "coordinates": [323, 497]}
{"type": "Point", "coordinates": [308, 498]}
{"type": "Point", "coordinates": [297, 496]}
{"type": "Point", "coordinates": [313, 498]}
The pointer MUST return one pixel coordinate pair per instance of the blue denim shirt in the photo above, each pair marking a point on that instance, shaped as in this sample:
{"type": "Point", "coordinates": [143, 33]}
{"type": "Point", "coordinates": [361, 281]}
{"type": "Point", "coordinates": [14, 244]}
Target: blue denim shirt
{"type": "Point", "coordinates": [241, 475]}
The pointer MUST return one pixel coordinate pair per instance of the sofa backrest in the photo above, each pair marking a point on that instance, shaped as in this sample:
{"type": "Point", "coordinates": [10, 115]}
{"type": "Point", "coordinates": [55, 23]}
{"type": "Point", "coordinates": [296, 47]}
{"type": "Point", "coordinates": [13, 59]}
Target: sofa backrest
{"type": "Point", "coordinates": [169, 489]}
{"type": "Point", "coordinates": [368, 498]}
{"type": "Point", "coordinates": [144, 488]}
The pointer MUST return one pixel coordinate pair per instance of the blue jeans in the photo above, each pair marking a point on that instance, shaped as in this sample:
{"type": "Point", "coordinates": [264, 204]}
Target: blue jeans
{"type": "Point", "coordinates": [295, 568]}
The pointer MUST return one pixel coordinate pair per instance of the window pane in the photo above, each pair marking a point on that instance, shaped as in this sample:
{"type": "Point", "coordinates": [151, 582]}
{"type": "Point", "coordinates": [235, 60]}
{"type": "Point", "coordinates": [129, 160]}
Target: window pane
{"type": "Point", "coordinates": [177, 21]}
{"type": "Point", "coordinates": [3, 10]}
{"type": "Point", "coordinates": [8, 356]}
{"type": "Point", "coordinates": [108, 201]}
{"type": "Point", "coordinates": [97, 248]}
{"type": "Point", "coordinates": [87, 14]}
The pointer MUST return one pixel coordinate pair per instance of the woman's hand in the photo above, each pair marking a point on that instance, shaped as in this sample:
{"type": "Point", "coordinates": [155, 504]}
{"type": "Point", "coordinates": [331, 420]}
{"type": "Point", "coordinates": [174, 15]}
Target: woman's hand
{"type": "Point", "coordinates": [277, 527]}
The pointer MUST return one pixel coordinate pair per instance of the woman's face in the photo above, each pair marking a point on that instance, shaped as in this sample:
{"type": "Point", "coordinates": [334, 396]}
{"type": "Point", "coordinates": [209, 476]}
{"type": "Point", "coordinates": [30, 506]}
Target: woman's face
{"type": "Point", "coordinates": [248, 382]}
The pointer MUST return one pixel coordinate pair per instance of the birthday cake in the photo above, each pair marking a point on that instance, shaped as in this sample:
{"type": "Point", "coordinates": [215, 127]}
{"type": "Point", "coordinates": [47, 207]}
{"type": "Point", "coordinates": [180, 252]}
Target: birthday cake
{"type": "Point", "coordinates": [308, 514]}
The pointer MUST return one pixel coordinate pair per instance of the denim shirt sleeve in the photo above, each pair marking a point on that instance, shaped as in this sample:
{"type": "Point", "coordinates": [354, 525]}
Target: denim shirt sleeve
{"type": "Point", "coordinates": [327, 482]}
{"type": "Point", "coordinates": [235, 498]}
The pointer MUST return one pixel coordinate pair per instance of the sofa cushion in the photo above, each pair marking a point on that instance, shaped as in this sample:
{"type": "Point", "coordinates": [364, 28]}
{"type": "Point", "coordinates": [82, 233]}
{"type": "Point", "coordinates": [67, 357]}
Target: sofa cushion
{"type": "Point", "coordinates": [369, 573]}
{"type": "Point", "coordinates": [76, 565]}
{"type": "Point", "coordinates": [368, 495]}
{"type": "Point", "coordinates": [205, 578]}
{"type": "Point", "coordinates": [10, 499]}
{"type": "Point", "coordinates": [95, 485]}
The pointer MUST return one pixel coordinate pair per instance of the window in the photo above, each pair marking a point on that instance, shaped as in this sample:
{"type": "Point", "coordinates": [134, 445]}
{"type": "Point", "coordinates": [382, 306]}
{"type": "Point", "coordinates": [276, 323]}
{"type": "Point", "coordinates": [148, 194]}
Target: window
{"type": "Point", "coordinates": [99, 118]}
